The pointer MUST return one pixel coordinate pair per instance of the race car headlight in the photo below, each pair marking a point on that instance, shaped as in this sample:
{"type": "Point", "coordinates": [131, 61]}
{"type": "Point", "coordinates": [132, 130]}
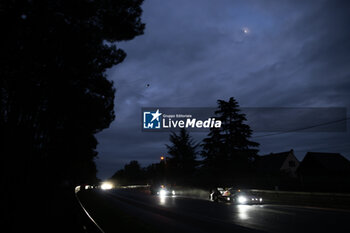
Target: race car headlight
{"type": "Point", "coordinates": [162, 193]}
{"type": "Point", "coordinates": [242, 200]}
{"type": "Point", "coordinates": [260, 199]}
{"type": "Point", "coordinates": [173, 192]}
{"type": "Point", "coordinates": [106, 186]}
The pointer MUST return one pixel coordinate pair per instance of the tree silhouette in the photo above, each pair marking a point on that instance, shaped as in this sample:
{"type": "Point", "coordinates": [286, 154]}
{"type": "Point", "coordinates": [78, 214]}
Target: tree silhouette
{"type": "Point", "coordinates": [131, 174]}
{"type": "Point", "coordinates": [227, 151]}
{"type": "Point", "coordinates": [155, 173]}
{"type": "Point", "coordinates": [182, 150]}
{"type": "Point", "coordinates": [55, 95]}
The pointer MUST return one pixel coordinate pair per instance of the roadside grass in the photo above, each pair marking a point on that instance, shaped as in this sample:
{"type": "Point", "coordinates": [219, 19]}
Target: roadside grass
{"type": "Point", "coordinates": [110, 218]}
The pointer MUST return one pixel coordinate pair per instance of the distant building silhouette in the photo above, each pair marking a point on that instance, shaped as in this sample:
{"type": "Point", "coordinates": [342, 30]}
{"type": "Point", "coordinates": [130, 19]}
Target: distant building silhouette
{"type": "Point", "coordinates": [325, 172]}
{"type": "Point", "coordinates": [277, 170]}
{"type": "Point", "coordinates": [273, 163]}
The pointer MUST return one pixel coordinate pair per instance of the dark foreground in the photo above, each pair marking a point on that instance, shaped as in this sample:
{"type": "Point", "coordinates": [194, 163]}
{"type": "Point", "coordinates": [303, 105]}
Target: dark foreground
{"type": "Point", "coordinates": [180, 214]}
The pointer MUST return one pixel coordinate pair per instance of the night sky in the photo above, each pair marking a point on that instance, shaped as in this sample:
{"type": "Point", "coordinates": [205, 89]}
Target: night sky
{"type": "Point", "coordinates": [284, 53]}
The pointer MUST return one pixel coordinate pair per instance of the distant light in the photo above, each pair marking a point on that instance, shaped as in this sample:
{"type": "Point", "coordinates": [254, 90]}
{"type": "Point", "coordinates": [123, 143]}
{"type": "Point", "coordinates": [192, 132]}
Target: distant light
{"type": "Point", "coordinates": [173, 192]}
{"type": "Point", "coordinates": [106, 186]}
{"type": "Point", "coordinates": [161, 157]}
{"type": "Point", "coordinates": [245, 30]}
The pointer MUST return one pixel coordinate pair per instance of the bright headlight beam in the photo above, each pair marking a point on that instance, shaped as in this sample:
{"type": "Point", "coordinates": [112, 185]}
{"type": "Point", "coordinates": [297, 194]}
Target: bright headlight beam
{"type": "Point", "coordinates": [242, 200]}
{"type": "Point", "coordinates": [106, 186]}
{"type": "Point", "coordinates": [162, 193]}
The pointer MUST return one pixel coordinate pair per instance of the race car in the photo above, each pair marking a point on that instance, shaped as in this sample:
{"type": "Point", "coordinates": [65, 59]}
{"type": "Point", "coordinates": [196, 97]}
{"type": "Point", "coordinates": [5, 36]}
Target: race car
{"type": "Point", "coordinates": [162, 191]}
{"type": "Point", "coordinates": [236, 196]}
{"type": "Point", "coordinates": [246, 197]}
{"type": "Point", "coordinates": [220, 194]}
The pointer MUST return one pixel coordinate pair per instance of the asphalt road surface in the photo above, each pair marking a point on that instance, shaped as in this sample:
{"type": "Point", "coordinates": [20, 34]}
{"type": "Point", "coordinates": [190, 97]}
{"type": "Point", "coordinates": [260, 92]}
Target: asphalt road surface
{"type": "Point", "coordinates": [181, 214]}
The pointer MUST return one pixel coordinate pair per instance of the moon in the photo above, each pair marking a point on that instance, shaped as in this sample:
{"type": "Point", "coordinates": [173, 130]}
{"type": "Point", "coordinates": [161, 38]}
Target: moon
{"type": "Point", "coordinates": [245, 30]}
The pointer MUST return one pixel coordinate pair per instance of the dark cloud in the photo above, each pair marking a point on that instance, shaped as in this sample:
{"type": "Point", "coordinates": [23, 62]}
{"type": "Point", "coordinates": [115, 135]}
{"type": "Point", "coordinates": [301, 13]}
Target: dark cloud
{"type": "Point", "coordinates": [296, 54]}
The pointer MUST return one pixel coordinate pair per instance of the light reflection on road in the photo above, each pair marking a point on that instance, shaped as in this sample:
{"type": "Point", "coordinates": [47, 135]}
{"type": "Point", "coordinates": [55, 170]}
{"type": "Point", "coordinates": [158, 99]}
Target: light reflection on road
{"type": "Point", "coordinates": [165, 200]}
{"type": "Point", "coordinates": [162, 200]}
{"type": "Point", "coordinates": [243, 211]}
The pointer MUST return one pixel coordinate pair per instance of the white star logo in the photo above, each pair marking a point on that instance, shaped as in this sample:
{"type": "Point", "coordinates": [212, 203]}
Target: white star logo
{"type": "Point", "coordinates": [156, 115]}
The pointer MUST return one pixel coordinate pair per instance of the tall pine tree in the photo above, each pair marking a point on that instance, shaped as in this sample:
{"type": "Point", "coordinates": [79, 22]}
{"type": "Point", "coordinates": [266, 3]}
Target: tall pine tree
{"type": "Point", "coordinates": [228, 151]}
